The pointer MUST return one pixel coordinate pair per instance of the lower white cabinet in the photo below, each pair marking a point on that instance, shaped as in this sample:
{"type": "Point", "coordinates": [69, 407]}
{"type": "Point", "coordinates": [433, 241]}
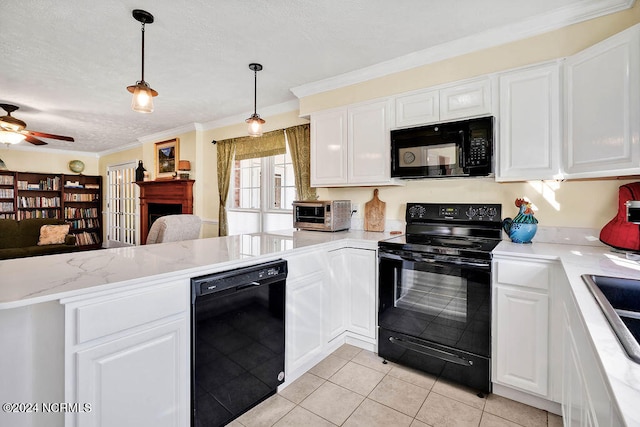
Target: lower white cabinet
{"type": "Point", "coordinates": [522, 353]}
{"type": "Point", "coordinates": [352, 273]}
{"type": "Point", "coordinates": [362, 272]}
{"type": "Point", "coordinates": [586, 400]}
{"type": "Point", "coordinates": [331, 297]}
{"type": "Point", "coordinates": [127, 356]}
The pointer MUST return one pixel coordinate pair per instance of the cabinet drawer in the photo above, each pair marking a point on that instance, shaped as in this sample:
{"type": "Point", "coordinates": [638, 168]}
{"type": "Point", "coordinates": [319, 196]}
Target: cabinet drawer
{"type": "Point", "coordinates": [106, 316]}
{"type": "Point", "coordinates": [303, 265]}
{"type": "Point", "coordinates": [520, 273]}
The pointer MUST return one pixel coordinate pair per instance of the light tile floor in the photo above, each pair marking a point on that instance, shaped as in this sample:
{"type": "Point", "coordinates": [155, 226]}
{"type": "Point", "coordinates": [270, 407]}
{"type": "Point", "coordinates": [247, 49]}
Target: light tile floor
{"type": "Point", "coordinates": [352, 387]}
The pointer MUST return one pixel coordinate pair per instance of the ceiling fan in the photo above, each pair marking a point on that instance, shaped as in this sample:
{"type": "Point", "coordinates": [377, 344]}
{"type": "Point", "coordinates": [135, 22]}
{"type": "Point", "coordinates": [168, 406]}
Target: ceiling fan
{"type": "Point", "coordinates": [12, 130]}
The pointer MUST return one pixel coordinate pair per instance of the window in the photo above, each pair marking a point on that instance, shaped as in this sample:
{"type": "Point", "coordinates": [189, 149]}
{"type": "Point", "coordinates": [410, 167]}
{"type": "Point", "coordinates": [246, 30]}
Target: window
{"type": "Point", "coordinates": [262, 193]}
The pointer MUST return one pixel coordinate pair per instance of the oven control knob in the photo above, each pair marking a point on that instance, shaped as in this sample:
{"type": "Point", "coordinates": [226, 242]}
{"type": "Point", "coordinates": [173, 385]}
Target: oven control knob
{"type": "Point", "coordinates": [482, 211]}
{"type": "Point", "coordinates": [417, 211]}
{"type": "Point", "coordinates": [471, 212]}
{"type": "Point", "coordinates": [492, 212]}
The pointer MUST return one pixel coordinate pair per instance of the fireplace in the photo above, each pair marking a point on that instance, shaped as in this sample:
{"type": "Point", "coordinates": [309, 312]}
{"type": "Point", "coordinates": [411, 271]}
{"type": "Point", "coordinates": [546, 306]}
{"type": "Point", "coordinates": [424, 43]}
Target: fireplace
{"type": "Point", "coordinates": [163, 197]}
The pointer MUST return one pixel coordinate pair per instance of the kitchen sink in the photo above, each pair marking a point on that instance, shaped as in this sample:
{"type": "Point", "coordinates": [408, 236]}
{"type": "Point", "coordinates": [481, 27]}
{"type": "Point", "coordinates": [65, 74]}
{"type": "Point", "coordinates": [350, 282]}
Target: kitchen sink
{"type": "Point", "coordinates": [619, 300]}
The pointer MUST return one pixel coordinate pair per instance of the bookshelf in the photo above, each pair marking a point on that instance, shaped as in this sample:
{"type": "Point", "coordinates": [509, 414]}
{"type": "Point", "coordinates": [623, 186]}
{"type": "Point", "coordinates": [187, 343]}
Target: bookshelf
{"type": "Point", "coordinates": [7, 195]}
{"type": "Point", "coordinates": [82, 208]}
{"type": "Point", "coordinates": [75, 198]}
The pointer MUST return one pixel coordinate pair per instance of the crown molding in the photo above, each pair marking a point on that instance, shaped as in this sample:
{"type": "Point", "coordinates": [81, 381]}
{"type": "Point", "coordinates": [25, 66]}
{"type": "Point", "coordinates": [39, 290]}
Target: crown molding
{"type": "Point", "coordinates": [119, 149]}
{"type": "Point", "coordinates": [170, 133]}
{"type": "Point", "coordinates": [272, 110]}
{"type": "Point", "coordinates": [530, 27]}
{"type": "Point", "coordinates": [19, 147]}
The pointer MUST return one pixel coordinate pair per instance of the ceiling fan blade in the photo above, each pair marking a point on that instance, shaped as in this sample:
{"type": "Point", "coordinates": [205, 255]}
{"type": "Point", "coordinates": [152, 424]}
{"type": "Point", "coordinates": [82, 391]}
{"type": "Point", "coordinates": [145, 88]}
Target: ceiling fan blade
{"type": "Point", "coordinates": [50, 136]}
{"type": "Point", "coordinates": [34, 140]}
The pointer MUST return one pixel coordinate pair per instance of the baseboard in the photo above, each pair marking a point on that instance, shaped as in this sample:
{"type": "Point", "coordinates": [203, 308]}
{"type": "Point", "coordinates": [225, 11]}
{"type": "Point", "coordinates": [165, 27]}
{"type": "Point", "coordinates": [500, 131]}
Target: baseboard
{"type": "Point", "coordinates": [527, 399]}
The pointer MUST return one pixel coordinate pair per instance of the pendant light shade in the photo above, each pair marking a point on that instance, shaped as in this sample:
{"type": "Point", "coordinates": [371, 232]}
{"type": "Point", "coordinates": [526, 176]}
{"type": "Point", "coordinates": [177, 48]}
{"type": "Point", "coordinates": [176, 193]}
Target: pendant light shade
{"type": "Point", "coordinates": [255, 122]}
{"type": "Point", "coordinates": [8, 137]}
{"type": "Point", "coordinates": [142, 101]}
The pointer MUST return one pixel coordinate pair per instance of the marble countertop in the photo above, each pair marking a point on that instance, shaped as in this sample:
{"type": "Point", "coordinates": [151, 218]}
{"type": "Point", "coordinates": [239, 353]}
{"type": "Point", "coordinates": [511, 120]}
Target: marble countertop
{"type": "Point", "coordinates": [26, 281]}
{"type": "Point", "coordinates": [622, 373]}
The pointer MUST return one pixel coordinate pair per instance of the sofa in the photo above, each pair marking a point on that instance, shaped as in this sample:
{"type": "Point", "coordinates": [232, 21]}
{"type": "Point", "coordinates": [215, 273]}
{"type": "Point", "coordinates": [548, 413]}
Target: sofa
{"type": "Point", "coordinates": [19, 239]}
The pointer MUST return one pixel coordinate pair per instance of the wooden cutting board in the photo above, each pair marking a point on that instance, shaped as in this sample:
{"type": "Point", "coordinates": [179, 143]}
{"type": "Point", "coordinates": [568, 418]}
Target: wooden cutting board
{"type": "Point", "coordinates": [374, 213]}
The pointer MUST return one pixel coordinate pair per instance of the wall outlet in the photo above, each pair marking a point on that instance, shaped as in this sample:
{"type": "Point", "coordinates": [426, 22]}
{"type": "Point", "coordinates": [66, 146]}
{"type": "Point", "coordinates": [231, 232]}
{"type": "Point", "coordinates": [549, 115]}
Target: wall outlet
{"type": "Point", "coordinates": [355, 208]}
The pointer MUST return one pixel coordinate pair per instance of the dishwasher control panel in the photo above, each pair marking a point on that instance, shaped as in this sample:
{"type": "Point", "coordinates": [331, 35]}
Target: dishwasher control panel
{"type": "Point", "coordinates": [239, 279]}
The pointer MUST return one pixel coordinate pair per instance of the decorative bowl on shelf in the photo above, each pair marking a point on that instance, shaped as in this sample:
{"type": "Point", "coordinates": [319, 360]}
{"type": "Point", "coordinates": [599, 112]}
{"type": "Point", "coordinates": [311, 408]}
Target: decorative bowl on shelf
{"type": "Point", "coordinates": [76, 166]}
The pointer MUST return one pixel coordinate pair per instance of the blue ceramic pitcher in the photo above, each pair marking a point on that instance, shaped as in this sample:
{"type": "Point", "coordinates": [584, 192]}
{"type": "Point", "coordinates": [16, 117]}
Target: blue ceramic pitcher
{"type": "Point", "coordinates": [523, 227]}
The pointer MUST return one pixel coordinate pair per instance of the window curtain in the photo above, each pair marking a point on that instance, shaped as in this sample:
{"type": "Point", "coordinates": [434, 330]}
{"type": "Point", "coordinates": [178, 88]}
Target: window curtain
{"type": "Point", "coordinates": [269, 144]}
{"type": "Point", "coordinates": [300, 149]}
{"type": "Point", "coordinates": [225, 151]}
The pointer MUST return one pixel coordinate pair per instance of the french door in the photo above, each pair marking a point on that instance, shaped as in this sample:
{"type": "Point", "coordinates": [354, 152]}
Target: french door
{"type": "Point", "coordinates": [123, 219]}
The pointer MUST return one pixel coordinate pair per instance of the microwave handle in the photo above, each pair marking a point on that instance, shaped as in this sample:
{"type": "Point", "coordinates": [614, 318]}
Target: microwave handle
{"type": "Point", "coordinates": [462, 159]}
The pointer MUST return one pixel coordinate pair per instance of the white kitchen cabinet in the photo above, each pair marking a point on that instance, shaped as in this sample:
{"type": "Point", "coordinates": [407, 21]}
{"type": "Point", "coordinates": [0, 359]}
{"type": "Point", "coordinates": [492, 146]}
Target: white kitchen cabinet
{"type": "Point", "coordinates": [337, 305]}
{"type": "Point", "coordinates": [522, 339]}
{"type": "Point", "coordinates": [329, 148]}
{"type": "Point", "coordinates": [586, 399]}
{"type": "Point", "coordinates": [465, 100]}
{"type": "Point", "coordinates": [306, 302]}
{"type": "Point", "coordinates": [529, 145]}
{"type": "Point", "coordinates": [418, 108]}
{"type": "Point", "coordinates": [353, 280]}
{"type": "Point", "coordinates": [603, 108]}
{"type": "Point", "coordinates": [127, 355]}
{"type": "Point", "coordinates": [362, 270]}
{"type": "Point", "coordinates": [521, 355]}
{"type": "Point", "coordinates": [350, 146]}
{"type": "Point", "coordinates": [445, 103]}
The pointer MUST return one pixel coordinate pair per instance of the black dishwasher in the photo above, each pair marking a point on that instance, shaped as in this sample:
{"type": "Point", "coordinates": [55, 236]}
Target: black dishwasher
{"type": "Point", "coordinates": [237, 341]}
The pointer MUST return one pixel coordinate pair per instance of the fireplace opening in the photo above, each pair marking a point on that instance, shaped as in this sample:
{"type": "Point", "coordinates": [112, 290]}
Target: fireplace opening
{"type": "Point", "coordinates": [156, 210]}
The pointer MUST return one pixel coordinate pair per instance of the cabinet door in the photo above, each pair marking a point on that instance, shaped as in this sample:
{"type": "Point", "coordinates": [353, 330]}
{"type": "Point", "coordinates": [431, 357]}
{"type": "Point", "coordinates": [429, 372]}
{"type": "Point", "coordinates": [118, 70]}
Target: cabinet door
{"type": "Point", "coordinates": [603, 108]}
{"type": "Point", "coordinates": [465, 100]}
{"type": "Point", "coordinates": [337, 303]}
{"type": "Point", "coordinates": [521, 336]}
{"type": "Point", "coordinates": [418, 108]}
{"type": "Point", "coordinates": [529, 145]}
{"type": "Point", "coordinates": [304, 320]}
{"type": "Point", "coordinates": [362, 265]}
{"type": "Point", "coordinates": [138, 380]}
{"type": "Point", "coordinates": [329, 148]}
{"type": "Point", "coordinates": [369, 144]}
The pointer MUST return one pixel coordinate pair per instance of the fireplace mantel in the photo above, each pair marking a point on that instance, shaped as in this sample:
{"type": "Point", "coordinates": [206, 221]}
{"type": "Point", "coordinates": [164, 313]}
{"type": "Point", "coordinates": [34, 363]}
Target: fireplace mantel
{"type": "Point", "coordinates": [167, 192]}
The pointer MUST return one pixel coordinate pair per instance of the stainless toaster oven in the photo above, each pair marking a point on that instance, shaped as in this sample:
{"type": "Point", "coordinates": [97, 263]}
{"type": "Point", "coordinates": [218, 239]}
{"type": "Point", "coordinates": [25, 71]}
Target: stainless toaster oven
{"type": "Point", "coordinates": [322, 215]}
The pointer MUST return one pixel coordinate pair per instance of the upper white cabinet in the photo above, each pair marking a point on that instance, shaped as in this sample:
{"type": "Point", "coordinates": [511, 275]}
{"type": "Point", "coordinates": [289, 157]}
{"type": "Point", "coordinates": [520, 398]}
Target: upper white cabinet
{"type": "Point", "coordinates": [350, 146]}
{"type": "Point", "coordinates": [603, 108]}
{"type": "Point", "coordinates": [529, 124]}
{"type": "Point", "coordinates": [466, 100]}
{"type": "Point", "coordinates": [418, 108]}
{"type": "Point", "coordinates": [472, 98]}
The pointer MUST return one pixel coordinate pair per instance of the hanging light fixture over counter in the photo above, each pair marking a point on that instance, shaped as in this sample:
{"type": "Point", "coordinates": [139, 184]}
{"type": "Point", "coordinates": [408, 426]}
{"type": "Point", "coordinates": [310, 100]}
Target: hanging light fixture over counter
{"type": "Point", "coordinates": [142, 93]}
{"type": "Point", "coordinates": [255, 122]}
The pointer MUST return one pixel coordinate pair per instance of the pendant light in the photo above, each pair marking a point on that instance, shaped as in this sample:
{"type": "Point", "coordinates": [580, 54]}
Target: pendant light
{"type": "Point", "coordinates": [255, 122]}
{"type": "Point", "coordinates": [142, 101]}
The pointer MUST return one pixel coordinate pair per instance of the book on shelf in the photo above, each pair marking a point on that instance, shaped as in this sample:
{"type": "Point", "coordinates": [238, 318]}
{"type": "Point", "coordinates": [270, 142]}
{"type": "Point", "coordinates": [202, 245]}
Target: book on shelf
{"type": "Point", "coordinates": [6, 179]}
{"type": "Point", "coordinates": [6, 193]}
{"type": "Point", "coordinates": [87, 238]}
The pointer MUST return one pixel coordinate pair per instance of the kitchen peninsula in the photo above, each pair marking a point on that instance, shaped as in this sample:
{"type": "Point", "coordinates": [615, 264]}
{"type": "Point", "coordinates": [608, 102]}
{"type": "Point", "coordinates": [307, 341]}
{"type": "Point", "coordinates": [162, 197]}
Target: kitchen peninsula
{"type": "Point", "coordinates": [69, 322]}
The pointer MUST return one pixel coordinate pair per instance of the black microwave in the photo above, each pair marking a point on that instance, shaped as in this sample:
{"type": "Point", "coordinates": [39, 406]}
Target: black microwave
{"type": "Point", "coordinates": [463, 148]}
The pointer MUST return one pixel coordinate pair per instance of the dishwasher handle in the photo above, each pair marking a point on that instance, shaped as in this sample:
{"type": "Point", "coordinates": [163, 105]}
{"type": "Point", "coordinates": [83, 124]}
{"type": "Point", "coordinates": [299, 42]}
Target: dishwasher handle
{"type": "Point", "coordinates": [238, 279]}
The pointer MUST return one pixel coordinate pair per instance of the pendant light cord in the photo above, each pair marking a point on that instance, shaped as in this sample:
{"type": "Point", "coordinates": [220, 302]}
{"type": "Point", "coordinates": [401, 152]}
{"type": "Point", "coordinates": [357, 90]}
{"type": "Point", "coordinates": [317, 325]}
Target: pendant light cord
{"type": "Point", "coordinates": [143, 51]}
{"type": "Point", "coordinates": [255, 92]}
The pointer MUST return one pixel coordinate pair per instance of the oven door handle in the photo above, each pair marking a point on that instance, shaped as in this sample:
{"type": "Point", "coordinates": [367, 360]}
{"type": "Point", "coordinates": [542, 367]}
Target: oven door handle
{"type": "Point", "coordinates": [403, 256]}
{"type": "Point", "coordinates": [433, 352]}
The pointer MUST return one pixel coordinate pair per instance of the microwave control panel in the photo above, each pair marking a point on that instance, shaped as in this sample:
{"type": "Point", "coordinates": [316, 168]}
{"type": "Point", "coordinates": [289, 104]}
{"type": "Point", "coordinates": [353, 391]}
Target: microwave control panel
{"type": "Point", "coordinates": [479, 149]}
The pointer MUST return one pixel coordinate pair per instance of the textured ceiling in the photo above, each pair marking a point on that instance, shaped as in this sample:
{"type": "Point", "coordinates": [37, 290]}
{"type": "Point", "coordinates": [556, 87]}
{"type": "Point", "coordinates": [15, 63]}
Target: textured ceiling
{"type": "Point", "coordinates": [67, 64]}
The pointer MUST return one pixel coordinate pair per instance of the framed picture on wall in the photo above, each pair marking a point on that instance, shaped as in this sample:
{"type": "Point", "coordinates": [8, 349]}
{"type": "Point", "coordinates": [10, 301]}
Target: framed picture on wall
{"type": "Point", "coordinates": [167, 156]}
